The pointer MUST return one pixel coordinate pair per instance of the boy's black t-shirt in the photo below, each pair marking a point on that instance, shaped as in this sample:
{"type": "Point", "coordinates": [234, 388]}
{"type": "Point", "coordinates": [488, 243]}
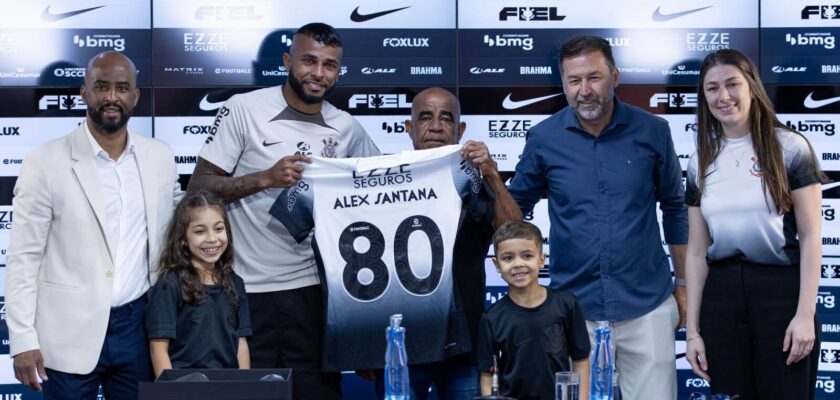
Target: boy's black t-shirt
{"type": "Point", "coordinates": [200, 335]}
{"type": "Point", "coordinates": [534, 343]}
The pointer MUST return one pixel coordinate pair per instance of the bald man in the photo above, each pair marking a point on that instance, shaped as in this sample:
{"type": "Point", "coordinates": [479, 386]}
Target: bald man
{"type": "Point", "coordinates": [435, 122]}
{"type": "Point", "coordinates": [90, 212]}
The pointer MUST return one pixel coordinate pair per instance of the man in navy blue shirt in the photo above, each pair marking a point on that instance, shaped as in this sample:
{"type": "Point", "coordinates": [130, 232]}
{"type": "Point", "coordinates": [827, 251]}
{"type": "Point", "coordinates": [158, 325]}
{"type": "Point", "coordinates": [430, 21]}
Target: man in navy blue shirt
{"type": "Point", "coordinates": [603, 165]}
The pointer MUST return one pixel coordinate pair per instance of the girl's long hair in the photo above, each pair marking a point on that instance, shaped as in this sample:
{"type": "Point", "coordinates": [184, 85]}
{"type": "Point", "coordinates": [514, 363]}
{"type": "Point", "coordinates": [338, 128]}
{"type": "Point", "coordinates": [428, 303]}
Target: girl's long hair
{"type": "Point", "coordinates": [763, 123]}
{"type": "Point", "coordinates": [176, 257]}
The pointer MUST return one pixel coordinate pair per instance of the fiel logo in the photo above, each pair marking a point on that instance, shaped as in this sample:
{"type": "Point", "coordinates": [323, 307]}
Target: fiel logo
{"type": "Point", "coordinates": [531, 14]}
{"type": "Point", "coordinates": [830, 271]}
{"type": "Point", "coordinates": [822, 12]}
{"type": "Point", "coordinates": [379, 101]}
{"type": "Point", "coordinates": [62, 102]}
{"type": "Point", "coordinates": [674, 100]}
{"type": "Point", "coordinates": [227, 13]}
{"type": "Point", "coordinates": [830, 356]}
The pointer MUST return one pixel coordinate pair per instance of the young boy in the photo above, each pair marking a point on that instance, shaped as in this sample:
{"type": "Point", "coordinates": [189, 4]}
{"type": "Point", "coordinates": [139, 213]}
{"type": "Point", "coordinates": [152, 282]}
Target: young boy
{"type": "Point", "coordinates": [536, 329]}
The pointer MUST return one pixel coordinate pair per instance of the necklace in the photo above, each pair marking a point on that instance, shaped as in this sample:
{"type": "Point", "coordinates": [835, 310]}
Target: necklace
{"type": "Point", "coordinates": [741, 157]}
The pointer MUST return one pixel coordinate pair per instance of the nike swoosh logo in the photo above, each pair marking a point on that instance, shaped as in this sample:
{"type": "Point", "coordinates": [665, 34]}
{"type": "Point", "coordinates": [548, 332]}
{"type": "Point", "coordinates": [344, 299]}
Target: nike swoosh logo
{"type": "Point", "coordinates": [829, 186]}
{"type": "Point", "coordinates": [659, 17]}
{"type": "Point", "coordinates": [206, 105]}
{"type": "Point", "coordinates": [267, 143]}
{"type": "Point", "coordinates": [50, 17]}
{"type": "Point", "coordinates": [811, 103]}
{"type": "Point", "coordinates": [509, 104]}
{"type": "Point", "coordinates": [356, 17]}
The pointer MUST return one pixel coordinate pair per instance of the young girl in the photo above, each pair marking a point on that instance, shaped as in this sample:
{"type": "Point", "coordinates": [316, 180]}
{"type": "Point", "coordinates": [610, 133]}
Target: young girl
{"type": "Point", "coordinates": [198, 311]}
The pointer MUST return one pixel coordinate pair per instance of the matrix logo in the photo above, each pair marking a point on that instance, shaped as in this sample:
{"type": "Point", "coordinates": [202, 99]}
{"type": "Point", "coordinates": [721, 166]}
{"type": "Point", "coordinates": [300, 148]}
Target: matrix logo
{"type": "Point", "coordinates": [823, 39]}
{"type": "Point", "coordinates": [674, 100]}
{"type": "Point", "coordinates": [115, 42]}
{"type": "Point", "coordinates": [531, 14]}
{"type": "Point", "coordinates": [521, 40]}
{"type": "Point", "coordinates": [822, 12]}
{"type": "Point", "coordinates": [62, 102]}
{"type": "Point", "coordinates": [377, 101]}
{"type": "Point", "coordinates": [227, 13]}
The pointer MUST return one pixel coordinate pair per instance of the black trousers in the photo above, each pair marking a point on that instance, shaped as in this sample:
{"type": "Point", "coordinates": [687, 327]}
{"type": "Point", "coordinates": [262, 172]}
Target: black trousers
{"type": "Point", "coordinates": [745, 311]}
{"type": "Point", "coordinates": [288, 328]}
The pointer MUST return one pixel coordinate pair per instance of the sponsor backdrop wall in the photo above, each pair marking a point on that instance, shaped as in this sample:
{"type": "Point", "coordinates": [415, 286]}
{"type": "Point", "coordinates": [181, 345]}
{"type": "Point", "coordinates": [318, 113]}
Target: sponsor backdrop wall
{"type": "Point", "coordinates": [498, 56]}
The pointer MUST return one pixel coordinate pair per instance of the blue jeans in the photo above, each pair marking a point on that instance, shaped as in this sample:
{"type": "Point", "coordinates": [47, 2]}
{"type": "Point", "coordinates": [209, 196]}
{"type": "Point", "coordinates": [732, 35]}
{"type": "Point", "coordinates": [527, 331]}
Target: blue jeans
{"type": "Point", "coordinates": [452, 380]}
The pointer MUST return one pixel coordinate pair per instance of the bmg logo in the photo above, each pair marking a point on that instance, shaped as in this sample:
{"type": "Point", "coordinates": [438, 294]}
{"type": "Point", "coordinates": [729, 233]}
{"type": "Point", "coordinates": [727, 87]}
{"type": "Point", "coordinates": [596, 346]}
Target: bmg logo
{"type": "Point", "coordinates": [826, 299]}
{"type": "Point", "coordinates": [828, 212]}
{"type": "Point", "coordinates": [108, 41]}
{"type": "Point", "coordinates": [825, 383]}
{"type": "Point", "coordinates": [393, 127]}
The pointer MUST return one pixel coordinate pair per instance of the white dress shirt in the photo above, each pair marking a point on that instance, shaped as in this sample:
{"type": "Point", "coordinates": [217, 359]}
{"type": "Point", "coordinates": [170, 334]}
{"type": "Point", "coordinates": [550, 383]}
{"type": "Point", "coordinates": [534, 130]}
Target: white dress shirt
{"type": "Point", "coordinates": [125, 221]}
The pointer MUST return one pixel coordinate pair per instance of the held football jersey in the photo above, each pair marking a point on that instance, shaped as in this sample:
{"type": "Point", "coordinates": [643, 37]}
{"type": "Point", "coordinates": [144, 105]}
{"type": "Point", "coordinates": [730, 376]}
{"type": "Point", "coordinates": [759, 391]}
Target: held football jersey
{"type": "Point", "coordinates": [385, 228]}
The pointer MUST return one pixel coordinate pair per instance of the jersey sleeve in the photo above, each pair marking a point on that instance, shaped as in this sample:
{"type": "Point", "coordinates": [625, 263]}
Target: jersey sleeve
{"type": "Point", "coordinates": [293, 208]}
{"type": "Point", "coordinates": [361, 145]}
{"type": "Point", "coordinates": [226, 141]}
{"type": "Point", "coordinates": [474, 192]}
{"type": "Point", "coordinates": [484, 350]}
{"type": "Point", "coordinates": [162, 311]}
{"type": "Point", "coordinates": [244, 329]}
{"type": "Point", "coordinates": [802, 167]}
{"type": "Point", "coordinates": [579, 346]}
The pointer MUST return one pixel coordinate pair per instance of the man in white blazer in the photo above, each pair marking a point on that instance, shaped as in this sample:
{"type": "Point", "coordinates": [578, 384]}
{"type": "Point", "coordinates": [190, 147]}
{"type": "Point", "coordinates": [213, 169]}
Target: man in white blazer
{"type": "Point", "coordinates": [90, 212]}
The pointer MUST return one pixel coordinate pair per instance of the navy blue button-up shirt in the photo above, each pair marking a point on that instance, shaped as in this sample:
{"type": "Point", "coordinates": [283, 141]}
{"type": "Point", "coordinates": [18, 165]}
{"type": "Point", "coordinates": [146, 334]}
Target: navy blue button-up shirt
{"type": "Point", "coordinates": [604, 243]}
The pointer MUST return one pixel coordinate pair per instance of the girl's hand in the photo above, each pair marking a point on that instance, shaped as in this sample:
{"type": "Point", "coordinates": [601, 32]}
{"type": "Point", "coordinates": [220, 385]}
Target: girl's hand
{"type": "Point", "coordinates": [799, 338]}
{"type": "Point", "coordinates": [695, 353]}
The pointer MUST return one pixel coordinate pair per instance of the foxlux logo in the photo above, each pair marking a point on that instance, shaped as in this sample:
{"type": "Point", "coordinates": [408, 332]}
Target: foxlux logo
{"type": "Point", "coordinates": [823, 12]}
{"type": "Point", "coordinates": [674, 100]}
{"type": "Point", "coordinates": [10, 131]}
{"type": "Point", "coordinates": [522, 41]}
{"type": "Point", "coordinates": [62, 102]}
{"type": "Point", "coordinates": [379, 101]}
{"type": "Point", "coordinates": [108, 41]}
{"type": "Point", "coordinates": [696, 383]}
{"type": "Point", "coordinates": [405, 42]}
{"type": "Point", "coordinates": [812, 126]}
{"type": "Point", "coordinates": [198, 129]}
{"type": "Point", "coordinates": [531, 14]}
{"type": "Point", "coordinates": [823, 39]}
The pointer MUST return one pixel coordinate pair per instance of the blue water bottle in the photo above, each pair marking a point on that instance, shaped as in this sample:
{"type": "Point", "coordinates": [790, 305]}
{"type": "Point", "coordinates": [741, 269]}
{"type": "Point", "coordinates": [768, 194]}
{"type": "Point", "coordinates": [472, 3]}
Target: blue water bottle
{"type": "Point", "coordinates": [601, 381]}
{"type": "Point", "coordinates": [396, 361]}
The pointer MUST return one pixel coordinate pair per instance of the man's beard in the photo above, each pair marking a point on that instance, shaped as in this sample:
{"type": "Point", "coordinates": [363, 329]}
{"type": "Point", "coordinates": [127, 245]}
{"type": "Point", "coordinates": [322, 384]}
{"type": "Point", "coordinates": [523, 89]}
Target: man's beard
{"type": "Point", "coordinates": [297, 87]}
{"type": "Point", "coordinates": [598, 111]}
{"type": "Point", "coordinates": [110, 126]}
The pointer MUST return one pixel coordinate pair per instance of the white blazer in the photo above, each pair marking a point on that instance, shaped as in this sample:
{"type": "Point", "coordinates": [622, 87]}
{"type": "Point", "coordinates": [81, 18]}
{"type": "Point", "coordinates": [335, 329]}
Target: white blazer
{"type": "Point", "coordinates": [59, 273]}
